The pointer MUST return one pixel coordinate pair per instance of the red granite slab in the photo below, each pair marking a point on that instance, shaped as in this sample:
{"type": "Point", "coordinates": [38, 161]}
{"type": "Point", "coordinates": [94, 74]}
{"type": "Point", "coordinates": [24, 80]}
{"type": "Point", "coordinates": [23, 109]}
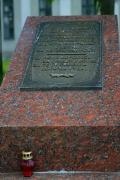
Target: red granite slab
{"type": "Point", "coordinates": [71, 130]}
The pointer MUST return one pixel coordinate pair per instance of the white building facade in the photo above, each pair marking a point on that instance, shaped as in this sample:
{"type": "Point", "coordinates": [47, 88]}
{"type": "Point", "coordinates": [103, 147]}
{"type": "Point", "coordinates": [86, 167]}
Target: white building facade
{"type": "Point", "coordinates": [15, 12]}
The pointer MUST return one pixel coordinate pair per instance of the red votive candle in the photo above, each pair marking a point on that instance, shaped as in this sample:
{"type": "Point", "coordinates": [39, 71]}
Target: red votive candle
{"type": "Point", "coordinates": [27, 164]}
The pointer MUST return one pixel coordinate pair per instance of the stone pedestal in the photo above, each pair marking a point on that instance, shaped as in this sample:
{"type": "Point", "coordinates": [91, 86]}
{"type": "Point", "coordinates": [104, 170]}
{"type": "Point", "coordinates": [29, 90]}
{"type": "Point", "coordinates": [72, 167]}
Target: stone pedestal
{"type": "Point", "coordinates": [70, 130]}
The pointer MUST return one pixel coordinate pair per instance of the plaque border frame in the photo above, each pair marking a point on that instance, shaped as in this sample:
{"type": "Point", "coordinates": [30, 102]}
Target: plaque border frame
{"type": "Point", "coordinates": [27, 84]}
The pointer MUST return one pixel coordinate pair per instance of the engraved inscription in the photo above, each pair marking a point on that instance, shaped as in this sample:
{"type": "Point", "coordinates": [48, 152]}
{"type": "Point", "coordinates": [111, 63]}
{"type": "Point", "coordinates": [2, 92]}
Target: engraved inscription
{"type": "Point", "coordinates": [66, 50]}
{"type": "Point", "coordinates": [62, 75]}
{"type": "Point", "coordinates": [67, 54]}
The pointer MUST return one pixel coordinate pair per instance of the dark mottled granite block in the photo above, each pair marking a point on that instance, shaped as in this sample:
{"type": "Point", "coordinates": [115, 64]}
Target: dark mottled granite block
{"type": "Point", "coordinates": [70, 130]}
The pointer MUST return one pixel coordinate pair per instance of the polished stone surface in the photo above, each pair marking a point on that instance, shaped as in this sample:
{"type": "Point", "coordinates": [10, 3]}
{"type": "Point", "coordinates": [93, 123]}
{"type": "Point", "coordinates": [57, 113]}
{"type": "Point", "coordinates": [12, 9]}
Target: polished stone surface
{"type": "Point", "coordinates": [70, 130]}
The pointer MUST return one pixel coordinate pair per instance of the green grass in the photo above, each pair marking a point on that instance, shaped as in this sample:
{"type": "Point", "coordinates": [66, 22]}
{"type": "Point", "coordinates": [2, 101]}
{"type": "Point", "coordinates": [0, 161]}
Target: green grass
{"type": "Point", "coordinates": [6, 64]}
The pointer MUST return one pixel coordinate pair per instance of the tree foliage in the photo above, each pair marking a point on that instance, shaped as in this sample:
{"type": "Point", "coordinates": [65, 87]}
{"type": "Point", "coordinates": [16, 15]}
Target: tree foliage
{"type": "Point", "coordinates": [50, 1]}
{"type": "Point", "coordinates": [104, 6]}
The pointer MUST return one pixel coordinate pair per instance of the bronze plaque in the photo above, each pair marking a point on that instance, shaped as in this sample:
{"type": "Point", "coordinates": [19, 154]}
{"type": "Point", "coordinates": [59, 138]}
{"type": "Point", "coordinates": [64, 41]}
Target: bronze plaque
{"type": "Point", "coordinates": [65, 55]}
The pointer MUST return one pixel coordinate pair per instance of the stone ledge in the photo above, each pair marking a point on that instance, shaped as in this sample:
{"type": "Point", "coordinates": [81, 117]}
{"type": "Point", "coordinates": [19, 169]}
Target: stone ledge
{"type": "Point", "coordinates": [62, 176]}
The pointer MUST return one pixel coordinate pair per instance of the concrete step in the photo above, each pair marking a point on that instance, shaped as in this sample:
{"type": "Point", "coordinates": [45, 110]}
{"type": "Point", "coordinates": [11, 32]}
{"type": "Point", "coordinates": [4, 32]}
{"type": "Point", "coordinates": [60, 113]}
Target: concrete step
{"type": "Point", "coordinates": [63, 176]}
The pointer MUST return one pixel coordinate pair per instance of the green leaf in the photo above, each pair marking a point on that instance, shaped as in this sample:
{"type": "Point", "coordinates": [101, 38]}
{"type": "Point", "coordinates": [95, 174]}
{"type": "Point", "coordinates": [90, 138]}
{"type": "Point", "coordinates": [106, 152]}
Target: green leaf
{"type": "Point", "coordinates": [50, 1]}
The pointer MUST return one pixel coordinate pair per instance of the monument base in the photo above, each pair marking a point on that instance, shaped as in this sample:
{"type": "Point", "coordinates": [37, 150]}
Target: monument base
{"type": "Point", "coordinates": [62, 148]}
{"type": "Point", "coordinates": [65, 130]}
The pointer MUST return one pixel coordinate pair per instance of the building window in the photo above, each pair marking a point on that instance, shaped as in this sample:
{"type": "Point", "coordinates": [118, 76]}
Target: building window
{"type": "Point", "coordinates": [44, 8]}
{"type": "Point", "coordinates": [88, 7]}
{"type": "Point", "coordinates": [8, 19]}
